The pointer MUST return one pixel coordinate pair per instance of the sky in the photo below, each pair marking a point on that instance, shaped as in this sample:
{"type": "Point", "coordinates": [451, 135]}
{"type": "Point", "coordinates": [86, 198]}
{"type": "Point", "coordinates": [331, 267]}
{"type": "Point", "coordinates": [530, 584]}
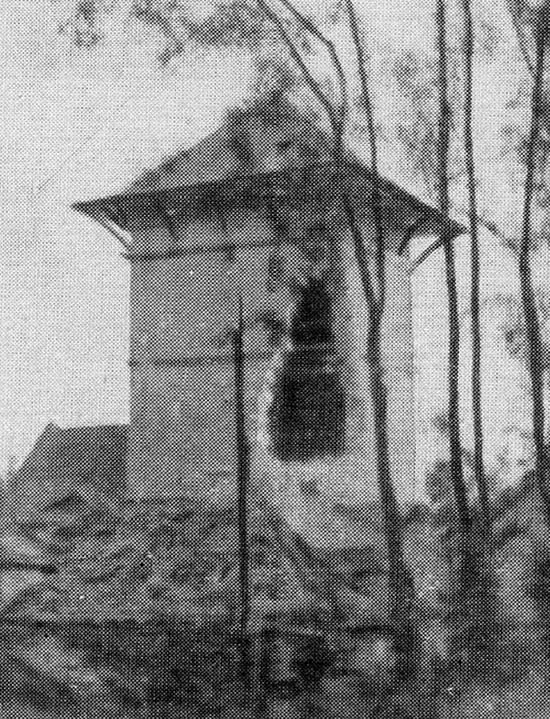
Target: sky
{"type": "Point", "coordinates": [76, 125]}
{"type": "Point", "coordinates": [80, 123]}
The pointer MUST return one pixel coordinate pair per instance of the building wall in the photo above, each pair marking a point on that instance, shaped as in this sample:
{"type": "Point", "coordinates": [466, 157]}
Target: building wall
{"type": "Point", "coordinates": [183, 310]}
{"type": "Point", "coordinates": [182, 437]}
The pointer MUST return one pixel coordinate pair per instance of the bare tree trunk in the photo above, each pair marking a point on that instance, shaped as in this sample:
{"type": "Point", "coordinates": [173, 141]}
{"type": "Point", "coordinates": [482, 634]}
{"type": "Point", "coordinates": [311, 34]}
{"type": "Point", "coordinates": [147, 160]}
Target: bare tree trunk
{"type": "Point", "coordinates": [392, 519]}
{"type": "Point", "coordinates": [528, 296]}
{"type": "Point", "coordinates": [400, 581]}
{"type": "Point", "coordinates": [477, 410]}
{"type": "Point", "coordinates": [455, 446]}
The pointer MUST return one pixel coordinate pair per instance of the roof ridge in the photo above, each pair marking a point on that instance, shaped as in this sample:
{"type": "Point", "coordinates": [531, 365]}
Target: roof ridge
{"type": "Point", "coordinates": [93, 426]}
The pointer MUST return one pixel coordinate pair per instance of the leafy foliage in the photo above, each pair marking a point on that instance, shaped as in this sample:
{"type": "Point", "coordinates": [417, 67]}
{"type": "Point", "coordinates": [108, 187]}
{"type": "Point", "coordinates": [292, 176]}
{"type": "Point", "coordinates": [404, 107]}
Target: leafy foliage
{"type": "Point", "coordinates": [513, 325]}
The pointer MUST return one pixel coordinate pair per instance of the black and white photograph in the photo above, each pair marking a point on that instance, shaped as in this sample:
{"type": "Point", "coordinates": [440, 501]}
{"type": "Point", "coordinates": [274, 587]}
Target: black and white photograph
{"type": "Point", "coordinates": [275, 359]}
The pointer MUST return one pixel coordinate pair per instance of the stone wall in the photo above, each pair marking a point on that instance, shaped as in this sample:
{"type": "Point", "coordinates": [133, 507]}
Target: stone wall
{"type": "Point", "coordinates": [187, 275]}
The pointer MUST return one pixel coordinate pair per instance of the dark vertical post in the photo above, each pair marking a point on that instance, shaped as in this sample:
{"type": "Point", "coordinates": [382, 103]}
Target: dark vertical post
{"type": "Point", "coordinates": [243, 483]}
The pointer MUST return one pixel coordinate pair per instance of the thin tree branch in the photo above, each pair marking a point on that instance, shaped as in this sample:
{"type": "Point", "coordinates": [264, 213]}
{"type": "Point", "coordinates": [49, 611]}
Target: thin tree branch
{"type": "Point", "coordinates": [313, 30]}
{"type": "Point", "coordinates": [360, 254]}
{"type": "Point", "coordinates": [522, 40]}
{"type": "Point", "coordinates": [308, 77]}
{"type": "Point", "coordinates": [488, 224]}
{"type": "Point", "coordinates": [371, 128]}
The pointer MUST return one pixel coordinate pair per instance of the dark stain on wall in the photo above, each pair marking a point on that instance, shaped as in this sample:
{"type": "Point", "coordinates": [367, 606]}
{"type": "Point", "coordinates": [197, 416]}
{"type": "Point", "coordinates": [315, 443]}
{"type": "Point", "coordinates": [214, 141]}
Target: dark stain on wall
{"type": "Point", "coordinates": [307, 416]}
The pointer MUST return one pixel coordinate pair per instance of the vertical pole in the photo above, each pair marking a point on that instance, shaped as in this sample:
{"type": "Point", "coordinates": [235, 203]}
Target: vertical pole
{"type": "Point", "coordinates": [243, 482]}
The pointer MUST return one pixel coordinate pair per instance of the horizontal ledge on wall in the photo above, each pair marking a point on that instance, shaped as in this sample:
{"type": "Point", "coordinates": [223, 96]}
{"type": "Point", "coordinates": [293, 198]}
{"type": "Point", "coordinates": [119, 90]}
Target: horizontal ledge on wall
{"type": "Point", "coordinates": [224, 248]}
{"type": "Point", "coordinates": [201, 360]}
{"type": "Point", "coordinates": [257, 356]}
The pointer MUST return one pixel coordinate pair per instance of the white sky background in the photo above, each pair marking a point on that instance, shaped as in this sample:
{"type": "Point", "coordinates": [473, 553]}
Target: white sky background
{"type": "Point", "coordinates": [78, 124]}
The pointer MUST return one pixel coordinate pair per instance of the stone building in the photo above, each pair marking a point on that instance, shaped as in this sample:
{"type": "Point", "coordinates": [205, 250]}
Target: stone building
{"type": "Point", "coordinates": [248, 361]}
{"type": "Point", "coordinates": [248, 222]}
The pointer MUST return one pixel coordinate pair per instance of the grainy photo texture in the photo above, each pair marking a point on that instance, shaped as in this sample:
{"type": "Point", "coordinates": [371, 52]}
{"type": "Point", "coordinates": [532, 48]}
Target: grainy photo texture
{"type": "Point", "coordinates": [275, 349]}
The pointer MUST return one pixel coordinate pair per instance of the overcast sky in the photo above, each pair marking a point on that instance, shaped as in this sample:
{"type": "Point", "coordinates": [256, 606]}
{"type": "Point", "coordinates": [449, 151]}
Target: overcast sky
{"type": "Point", "coordinates": [78, 124]}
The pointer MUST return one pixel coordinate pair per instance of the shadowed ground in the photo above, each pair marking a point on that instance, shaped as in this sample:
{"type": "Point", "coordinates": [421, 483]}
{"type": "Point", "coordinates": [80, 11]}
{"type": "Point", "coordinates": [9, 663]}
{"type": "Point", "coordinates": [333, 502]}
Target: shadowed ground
{"type": "Point", "coordinates": [480, 648]}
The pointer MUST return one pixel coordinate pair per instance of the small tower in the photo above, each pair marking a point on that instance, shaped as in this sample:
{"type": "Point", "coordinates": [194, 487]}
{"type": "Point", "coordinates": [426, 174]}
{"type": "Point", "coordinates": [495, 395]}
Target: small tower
{"type": "Point", "coordinates": [251, 215]}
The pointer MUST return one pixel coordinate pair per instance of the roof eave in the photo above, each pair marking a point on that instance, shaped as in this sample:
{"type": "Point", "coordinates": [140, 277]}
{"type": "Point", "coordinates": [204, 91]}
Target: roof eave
{"type": "Point", "coordinates": [111, 210]}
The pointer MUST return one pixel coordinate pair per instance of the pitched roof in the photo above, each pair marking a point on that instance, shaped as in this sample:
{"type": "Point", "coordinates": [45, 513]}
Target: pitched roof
{"type": "Point", "coordinates": [255, 153]}
{"type": "Point", "coordinates": [65, 461]}
{"type": "Point", "coordinates": [253, 141]}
